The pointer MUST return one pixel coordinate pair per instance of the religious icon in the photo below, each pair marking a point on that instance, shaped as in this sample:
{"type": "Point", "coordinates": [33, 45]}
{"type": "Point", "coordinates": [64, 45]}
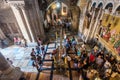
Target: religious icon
{"type": "Point", "coordinates": [64, 9]}
{"type": "Point", "coordinates": [107, 17]}
{"type": "Point", "coordinates": [116, 22]}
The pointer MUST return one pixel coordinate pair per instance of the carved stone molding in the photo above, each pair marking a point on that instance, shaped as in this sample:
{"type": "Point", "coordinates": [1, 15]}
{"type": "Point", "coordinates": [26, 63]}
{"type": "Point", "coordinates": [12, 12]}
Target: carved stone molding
{"type": "Point", "coordinates": [17, 3]}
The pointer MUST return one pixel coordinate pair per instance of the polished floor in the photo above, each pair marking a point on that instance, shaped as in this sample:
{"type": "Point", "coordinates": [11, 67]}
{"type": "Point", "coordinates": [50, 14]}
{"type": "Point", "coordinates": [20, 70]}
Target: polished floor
{"type": "Point", "coordinates": [21, 58]}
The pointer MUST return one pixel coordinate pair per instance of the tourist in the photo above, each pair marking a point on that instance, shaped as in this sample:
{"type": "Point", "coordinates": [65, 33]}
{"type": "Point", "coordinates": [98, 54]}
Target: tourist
{"type": "Point", "coordinates": [22, 43]}
{"type": "Point", "coordinates": [69, 58]}
{"type": "Point", "coordinates": [83, 46]}
{"type": "Point", "coordinates": [38, 49]}
{"type": "Point", "coordinates": [107, 64]}
{"type": "Point", "coordinates": [99, 62]}
{"type": "Point", "coordinates": [65, 36]}
{"type": "Point", "coordinates": [25, 42]}
{"type": "Point", "coordinates": [68, 41]}
{"type": "Point", "coordinates": [85, 63]}
{"type": "Point", "coordinates": [67, 47]}
{"type": "Point", "coordinates": [75, 62]}
{"type": "Point", "coordinates": [39, 61]}
{"type": "Point", "coordinates": [91, 59]}
{"type": "Point", "coordinates": [33, 54]}
{"type": "Point", "coordinates": [18, 40]}
{"type": "Point", "coordinates": [78, 52]}
{"type": "Point", "coordinates": [43, 50]}
{"type": "Point", "coordinates": [9, 61]}
{"type": "Point", "coordinates": [101, 53]}
{"type": "Point", "coordinates": [113, 60]}
{"type": "Point", "coordinates": [15, 40]}
{"type": "Point", "coordinates": [39, 42]}
{"type": "Point", "coordinates": [107, 74]}
{"type": "Point", "coordinates": [73, 39]}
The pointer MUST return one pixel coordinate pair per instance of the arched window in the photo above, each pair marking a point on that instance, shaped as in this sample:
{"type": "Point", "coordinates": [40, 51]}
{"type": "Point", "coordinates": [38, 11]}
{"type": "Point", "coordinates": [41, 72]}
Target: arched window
{"type": "Point", "coordinates": [109, 7]}
{"type": "Point", "coordinates": [100, 5]}
{"type": "Point", "coordinates": [117, 11]}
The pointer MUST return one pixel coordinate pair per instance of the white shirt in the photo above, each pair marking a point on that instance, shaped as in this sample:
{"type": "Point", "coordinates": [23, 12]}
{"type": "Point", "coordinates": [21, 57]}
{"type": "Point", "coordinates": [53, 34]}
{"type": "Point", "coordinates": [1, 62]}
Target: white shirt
{"type": "Point", "coordinates": [107, 64]}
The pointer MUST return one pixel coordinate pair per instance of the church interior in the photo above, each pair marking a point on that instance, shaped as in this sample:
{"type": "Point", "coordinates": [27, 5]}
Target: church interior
{"type": "Point", "coordinates": [59, 40]}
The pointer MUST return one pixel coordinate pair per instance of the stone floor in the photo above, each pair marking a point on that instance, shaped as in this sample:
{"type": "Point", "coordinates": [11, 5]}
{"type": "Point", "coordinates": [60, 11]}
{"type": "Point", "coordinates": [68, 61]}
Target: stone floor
{"type": "Point", "coordinates": [20, 56]}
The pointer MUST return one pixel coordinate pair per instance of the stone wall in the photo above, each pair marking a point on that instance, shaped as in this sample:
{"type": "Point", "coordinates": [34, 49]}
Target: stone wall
{"type": "Point", "coordinates": [8, 22]}
{"type": "Point", "coordinates": [76, 15]}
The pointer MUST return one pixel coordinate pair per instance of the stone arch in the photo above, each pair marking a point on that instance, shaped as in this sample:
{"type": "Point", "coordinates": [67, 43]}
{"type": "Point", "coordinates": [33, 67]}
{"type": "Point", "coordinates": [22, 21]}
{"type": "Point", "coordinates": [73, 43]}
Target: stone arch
{"type": "Point", "coordinates": [109, 7]}
{"type": "Point", "coordinates": [100, 5]}
{"type": "Point", "coordinates": [94, 4]}
{"type": "Point", "coordinates": [51, 4]}
{"type": "Point", "coordinates": [109, 4]}
{"type": "Point", "coordinates": [54, 11]}
{"type": "Point", "coordinates": [54, 3]}
{"type": "Point", "coordinates": [116, 8]}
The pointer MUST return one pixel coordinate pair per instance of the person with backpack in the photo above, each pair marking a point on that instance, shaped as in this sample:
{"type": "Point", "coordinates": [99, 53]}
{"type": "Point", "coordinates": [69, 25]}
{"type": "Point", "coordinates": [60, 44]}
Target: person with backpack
{"type": "Point", "coordinates": [43, 50]}
{"type": "Point", "coordinates": [33, 54]}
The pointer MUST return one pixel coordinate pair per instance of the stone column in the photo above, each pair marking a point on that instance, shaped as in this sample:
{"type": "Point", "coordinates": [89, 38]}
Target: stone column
{"type": "Point", "coordinates": [95, 24]}
{"type": "Point", "coordinates": [35, 18]}
{"type": "Point", "coordinates": [27, 23]}
{"type": "Point", "coordinates": [102, 13]}
{"type": "Point", "coordinates": [81, 22]}
{"type": "Point", "coordinates": [17, 13]}
{"type": "Point", "coordinates": [10, 28]}
{"type": "Point", "coordinates": [91, 27]}
{"type": "Point", "coordinates": [9, 72]}
{"type": "Point", "coordinates": [2, 36]}
{"type": "Point", "coordinates": [40, 19]}
{"type": "Point", "coordinates": [99, 23]}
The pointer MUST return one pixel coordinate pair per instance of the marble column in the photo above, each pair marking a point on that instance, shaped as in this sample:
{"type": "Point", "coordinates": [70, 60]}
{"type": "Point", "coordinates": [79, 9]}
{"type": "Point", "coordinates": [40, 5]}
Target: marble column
{"type": "Point", "coordinates": [27, 23]}
{"type": "Point", "coordinates": [102, 13]}
{"type": "Point", "coordinates": [99, 23]}
{"type": "Point", "coordinates": [95, 24]}
{"type": "Point", "coordinates": [40, 20]}
{"type": "Point", "coordinates": [2, 35]}
{"type": "Point", "coordinates": [9, 72]}
{"type": "Point", "coordinates": [20, 21]}
{"type": "Point", "coordinates": [81, 22]}
{"type": "Point", "coordinates": [91, 27]}
{"type": "Point", "coordinates": [10, 28]}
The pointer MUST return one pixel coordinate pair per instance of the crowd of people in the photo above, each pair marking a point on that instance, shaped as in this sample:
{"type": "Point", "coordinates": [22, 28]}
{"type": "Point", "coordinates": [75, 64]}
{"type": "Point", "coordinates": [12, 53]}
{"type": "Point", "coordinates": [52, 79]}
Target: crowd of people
{"type": "Point", "coordinates": [90, 64]}
{"type": "Point", "coordinates": [65, 23]}
{"type": "Point", "coordinates": [93, 62]}
{"type": "Point", "coordinates": [87, 63]}
{"type": "Point", "coordinates": [20, 41]}
{"type": "Point", "coordinates": [37, 54]}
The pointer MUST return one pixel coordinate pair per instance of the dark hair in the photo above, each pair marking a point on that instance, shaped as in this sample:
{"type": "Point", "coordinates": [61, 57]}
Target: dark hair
{"type": "Point", "coordinates": [32, 48]}
{"type": "Point", "coordinates": [7, 58]}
